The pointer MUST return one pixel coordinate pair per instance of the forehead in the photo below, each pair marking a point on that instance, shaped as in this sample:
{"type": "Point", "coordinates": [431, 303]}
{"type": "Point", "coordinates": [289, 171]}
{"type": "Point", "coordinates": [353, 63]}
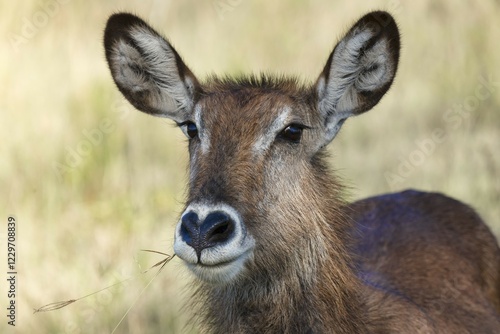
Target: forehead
{"type": "Point", "coordinates": [252, 102]}
{"type": "Point", "coordinates": [242, 107]}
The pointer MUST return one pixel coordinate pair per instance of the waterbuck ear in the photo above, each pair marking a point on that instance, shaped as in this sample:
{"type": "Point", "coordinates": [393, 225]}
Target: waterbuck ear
{"type": "Point", "coordinates": [359, 71]}
{"type": "Point", "coordinates": [147, 69]}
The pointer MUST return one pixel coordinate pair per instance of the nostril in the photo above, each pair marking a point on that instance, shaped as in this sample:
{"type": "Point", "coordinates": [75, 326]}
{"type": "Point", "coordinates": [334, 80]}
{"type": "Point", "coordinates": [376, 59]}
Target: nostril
{"type": "Point", "coordinates": [216, 228]}
{"type": "Point", "coordinates": [185, 234]}
{"type": "Point", "coordinates": [221, 229]}
{"type": "Point", "coordinates": [221, 232]}
{"type": "Point", "coordinates": [189, 228]}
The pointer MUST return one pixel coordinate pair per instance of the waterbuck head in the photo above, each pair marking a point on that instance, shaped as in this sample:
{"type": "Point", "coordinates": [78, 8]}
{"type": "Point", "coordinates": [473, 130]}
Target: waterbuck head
{"type": "Point", "coordinates": [261, 201]}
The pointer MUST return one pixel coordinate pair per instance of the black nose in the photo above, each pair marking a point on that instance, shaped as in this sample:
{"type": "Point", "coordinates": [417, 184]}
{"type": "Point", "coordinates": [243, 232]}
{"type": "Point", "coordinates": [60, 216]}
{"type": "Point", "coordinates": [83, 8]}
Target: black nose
{"type": "Point", "coordinates": [216, 228]}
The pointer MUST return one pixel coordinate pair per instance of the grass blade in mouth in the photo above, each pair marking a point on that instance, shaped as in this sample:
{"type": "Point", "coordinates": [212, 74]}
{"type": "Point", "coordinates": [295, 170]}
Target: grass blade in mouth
{"type": "Point", "coordinates": [58, 305]}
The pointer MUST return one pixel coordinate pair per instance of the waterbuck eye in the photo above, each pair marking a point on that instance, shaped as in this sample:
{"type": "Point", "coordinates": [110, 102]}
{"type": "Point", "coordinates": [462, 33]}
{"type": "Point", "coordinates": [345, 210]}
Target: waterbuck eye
{"type": "Point", "coordinates": [190, 129]}
{"type": "Point", "coordinates": [292, 133]}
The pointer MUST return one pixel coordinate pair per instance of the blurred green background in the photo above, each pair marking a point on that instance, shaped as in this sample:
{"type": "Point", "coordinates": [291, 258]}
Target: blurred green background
{"type": "Point", "coordinates": [92, 182]}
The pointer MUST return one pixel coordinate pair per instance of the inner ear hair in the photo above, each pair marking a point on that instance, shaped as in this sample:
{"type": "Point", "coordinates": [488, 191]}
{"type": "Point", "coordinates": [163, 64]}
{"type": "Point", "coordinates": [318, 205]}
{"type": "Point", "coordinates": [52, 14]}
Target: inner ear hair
{"type": "Point", "coordinates": [359, 71]}
{"type": "Point", "coordinates": [147, 69]}
{"type": "Point", "coordinates": [362, 66]}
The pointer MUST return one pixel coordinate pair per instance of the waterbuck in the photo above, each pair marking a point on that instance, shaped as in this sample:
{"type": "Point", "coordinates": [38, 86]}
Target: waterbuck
{"type": "Point", "coordinates": [272, 245]}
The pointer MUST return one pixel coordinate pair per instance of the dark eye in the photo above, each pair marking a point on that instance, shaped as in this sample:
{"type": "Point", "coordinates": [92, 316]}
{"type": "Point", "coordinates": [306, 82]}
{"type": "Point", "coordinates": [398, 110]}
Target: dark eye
{"type": "Point", "coordinates": [190, 129]}
{"type": "Point", "coordinates": [292, 133]}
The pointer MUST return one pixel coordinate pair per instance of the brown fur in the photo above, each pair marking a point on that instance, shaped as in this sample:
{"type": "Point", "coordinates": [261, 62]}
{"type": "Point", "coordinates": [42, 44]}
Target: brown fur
{"type": "Point", "coordinates": [409, 262]}
{"type": "Point", "coordinates": [424, 262]}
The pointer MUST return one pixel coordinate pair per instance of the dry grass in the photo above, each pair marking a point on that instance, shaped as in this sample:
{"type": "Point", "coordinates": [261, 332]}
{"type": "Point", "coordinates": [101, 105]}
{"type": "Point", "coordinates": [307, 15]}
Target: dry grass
{"type": "Point", "coordinates": [83, 230]}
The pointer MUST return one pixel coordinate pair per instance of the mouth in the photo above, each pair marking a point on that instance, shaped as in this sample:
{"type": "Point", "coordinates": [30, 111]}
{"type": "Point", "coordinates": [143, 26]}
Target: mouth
{"type": "Point", "coordinates": [221, 272]}
{"type": "Point", "coordinates": [217, 265]}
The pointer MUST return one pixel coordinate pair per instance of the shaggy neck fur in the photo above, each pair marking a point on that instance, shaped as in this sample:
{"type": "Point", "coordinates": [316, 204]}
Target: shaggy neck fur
{"type": "Point", "coordinates": [310, 290]}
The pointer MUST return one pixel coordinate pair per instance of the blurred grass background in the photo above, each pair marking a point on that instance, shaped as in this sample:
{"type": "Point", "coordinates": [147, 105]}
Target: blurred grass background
{"type": "Point", "coordinates": [82, 227]}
